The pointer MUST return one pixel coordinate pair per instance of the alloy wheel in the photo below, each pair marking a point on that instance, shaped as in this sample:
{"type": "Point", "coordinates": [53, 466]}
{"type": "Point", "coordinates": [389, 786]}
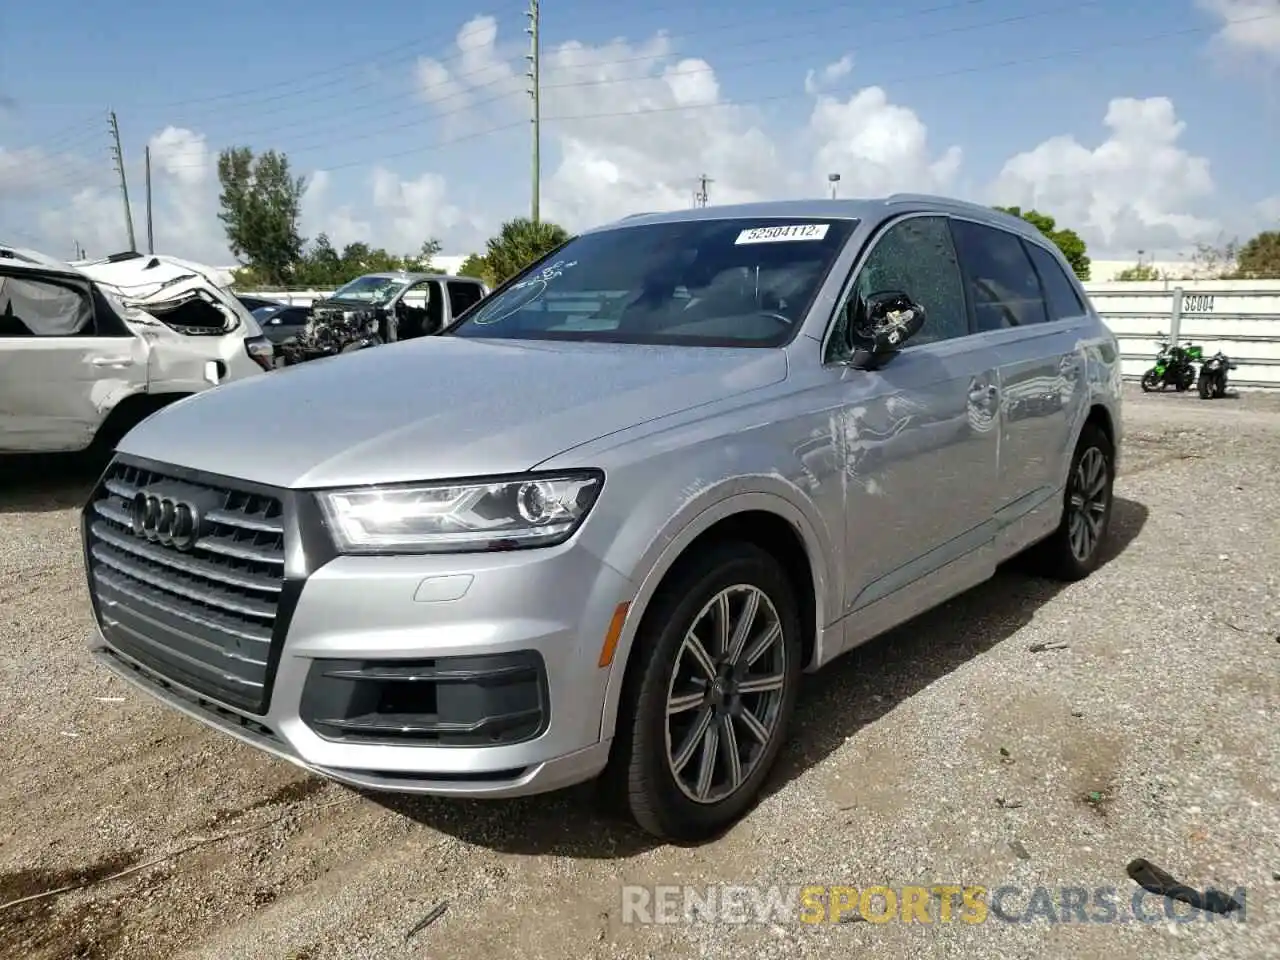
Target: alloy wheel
{"type": "Point", "coordinates": [726, 692]}
{"type": "Point", "coordinates": [1088, 501]}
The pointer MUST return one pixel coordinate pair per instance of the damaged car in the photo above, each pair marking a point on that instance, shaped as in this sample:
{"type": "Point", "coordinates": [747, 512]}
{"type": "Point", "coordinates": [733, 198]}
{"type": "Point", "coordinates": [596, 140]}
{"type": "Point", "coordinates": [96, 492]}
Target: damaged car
{"type": "Point", "coordinates": [89, 350]}
{"type": "Point", "coordinates": [380, 308]}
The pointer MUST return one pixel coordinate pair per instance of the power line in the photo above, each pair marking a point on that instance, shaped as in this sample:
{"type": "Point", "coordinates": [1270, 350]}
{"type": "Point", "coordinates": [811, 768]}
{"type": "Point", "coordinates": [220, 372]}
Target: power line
{"type": "Point", "coordinates": [318, 134]}
{"type": "Point", "coordinates": [329, 79]}
{"type": "Point", "coordinates": [1083, 53]}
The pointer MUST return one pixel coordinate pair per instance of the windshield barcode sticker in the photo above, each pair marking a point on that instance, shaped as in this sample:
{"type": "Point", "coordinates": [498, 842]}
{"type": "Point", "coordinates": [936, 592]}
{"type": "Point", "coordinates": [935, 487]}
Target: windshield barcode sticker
{"type": "Point", "coordinates": [801, 231]}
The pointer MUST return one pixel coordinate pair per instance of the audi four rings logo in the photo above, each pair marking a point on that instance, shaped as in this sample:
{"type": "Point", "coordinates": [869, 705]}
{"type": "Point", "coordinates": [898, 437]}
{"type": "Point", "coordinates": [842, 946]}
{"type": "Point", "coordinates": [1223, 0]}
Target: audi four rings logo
{"type": "Point", "coordinates": [161, 519]}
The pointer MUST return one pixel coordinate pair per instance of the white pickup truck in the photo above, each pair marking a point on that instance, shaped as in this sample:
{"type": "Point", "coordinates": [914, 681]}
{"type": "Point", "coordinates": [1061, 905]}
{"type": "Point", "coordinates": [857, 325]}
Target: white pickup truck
{"type": "Point", "coordinates": [88, 350]}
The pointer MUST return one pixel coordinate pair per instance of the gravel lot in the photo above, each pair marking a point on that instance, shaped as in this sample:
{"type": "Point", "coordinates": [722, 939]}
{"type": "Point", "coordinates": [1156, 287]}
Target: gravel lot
{"type": "Point", "coordinates": [957, 750]}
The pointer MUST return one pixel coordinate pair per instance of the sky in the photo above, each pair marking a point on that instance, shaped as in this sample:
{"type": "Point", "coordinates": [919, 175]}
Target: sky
{"type": "Point", "coordinates": [1147, 125]}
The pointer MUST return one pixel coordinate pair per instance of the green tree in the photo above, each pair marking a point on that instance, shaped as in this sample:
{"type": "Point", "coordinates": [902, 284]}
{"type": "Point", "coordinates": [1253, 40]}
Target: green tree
{"type": "Point", "coordinates": [1259, 258]}
{"type": "Point", "coordinates": [260, 208]}
{"type": "Point", "coordinates": [475, 266]}
{"type": "Point", "coordinates": [320, 266]}
{"type": "Point", "coordinates": [519, 243]}
{"type": "Point", "coordinates": [1068, 241]}
{"type": "Point", "coordinates": [358, 258]}
{"type": "Point", "coordinates": [429, 250]}
{"type": "Point", "coordinates": [1140, 271]}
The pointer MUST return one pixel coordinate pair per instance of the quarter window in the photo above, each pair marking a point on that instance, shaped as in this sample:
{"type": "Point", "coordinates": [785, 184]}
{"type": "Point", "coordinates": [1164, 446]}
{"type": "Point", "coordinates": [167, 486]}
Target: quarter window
{"type": "Point", "coordinates": [1002, 283]}
{"type": "Point", "coordinates": [1059, 292]}
{"type": "Point", "coordinates": [915, 257]}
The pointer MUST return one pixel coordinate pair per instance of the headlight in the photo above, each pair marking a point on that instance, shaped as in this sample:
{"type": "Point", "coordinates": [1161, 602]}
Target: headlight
{"type": "Point", "coordinates": [509, 513]}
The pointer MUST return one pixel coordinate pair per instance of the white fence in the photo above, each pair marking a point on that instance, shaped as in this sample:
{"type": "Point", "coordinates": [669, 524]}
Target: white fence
{"type": "Point", "coordinates": [1239, 317]}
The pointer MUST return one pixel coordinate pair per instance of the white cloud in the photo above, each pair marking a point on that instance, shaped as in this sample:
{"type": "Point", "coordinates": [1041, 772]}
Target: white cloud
{"type": "Point", "coordinates": [1132, 191]}
{"type": "Point", "coordinates": [651, 120]}
{"type": "Point", "coordinates": [1251, 27]}
{"type": "Point", "coordinates": [815, 80]}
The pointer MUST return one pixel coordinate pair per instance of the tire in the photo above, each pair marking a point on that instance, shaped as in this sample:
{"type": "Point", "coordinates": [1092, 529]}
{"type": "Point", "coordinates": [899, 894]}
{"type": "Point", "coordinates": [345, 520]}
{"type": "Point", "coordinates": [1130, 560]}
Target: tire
{"type": "Point", "coordinates": [1150, 381]}
{"type": "Point", "coordinates": [1055, 556]}
{"type": "Point", "coordinates": [1206, 387]}
{"type": "Point", "coordinates": [641, 777]}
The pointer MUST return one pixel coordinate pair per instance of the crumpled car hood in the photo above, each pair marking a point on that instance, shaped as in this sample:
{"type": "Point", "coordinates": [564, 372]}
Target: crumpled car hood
{"type": "Point", "coordinates": [440, 407]}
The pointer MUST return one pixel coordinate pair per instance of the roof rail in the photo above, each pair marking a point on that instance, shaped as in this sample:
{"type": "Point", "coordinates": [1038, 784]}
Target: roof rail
{"type": "Point", "coordinates": [955, 204]}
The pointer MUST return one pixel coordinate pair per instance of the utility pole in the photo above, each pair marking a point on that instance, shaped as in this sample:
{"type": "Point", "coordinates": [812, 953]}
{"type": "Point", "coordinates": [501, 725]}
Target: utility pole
{"type": "Point", "coordinates": [124, 183]}
{"type": "Point", "coordinates": [700, 198]}
{"type": "Point", "coordinates": [151, 244]}
{"type": "Point", "coordinates": [535, 91]}
{"type": "Point", "coordinates": [834, 180]}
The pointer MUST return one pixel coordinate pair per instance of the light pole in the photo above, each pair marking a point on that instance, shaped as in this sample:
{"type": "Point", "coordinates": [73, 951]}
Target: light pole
{"type": "Point", "coordinates": [833, 179]}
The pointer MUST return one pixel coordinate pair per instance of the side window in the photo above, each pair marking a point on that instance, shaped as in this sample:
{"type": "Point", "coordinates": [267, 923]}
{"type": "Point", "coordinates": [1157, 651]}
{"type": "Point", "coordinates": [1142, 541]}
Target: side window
{"type": "Point", "coordinates": [916, 257]}
{"type": "Point", "coordinates": [32, 307]}
{"type": "Point", "coordinates": [417, 296]}
{"type": "Point", "coordinates": [1002, 283]}
{"type": "Point", "coordinates": [1059, 292]}
{"type": "Point", "coordinates": [463, 296]}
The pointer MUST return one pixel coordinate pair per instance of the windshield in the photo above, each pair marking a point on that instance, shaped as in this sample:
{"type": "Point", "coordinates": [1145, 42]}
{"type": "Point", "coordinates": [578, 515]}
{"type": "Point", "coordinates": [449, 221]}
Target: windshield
{"type": "Point", "coordinates": [731, 282]}
{"type": "Point", "coordinates": [372, 289]}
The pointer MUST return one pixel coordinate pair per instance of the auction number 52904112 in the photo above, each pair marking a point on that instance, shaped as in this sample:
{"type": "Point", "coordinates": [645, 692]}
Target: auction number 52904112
{"type": "Point", "coordinates": [1197, 303]}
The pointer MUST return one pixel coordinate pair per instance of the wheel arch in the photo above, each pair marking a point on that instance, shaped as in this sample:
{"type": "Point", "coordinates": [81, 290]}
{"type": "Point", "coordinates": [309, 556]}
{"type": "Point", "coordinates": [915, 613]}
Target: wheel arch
{"type": "Point", "coordinates": [767, 519]}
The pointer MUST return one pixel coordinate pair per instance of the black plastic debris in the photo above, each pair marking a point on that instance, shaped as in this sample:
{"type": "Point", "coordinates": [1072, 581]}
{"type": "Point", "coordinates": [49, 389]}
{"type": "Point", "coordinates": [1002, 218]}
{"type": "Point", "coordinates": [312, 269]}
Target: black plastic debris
{"type": "Point", "coordinates": [434, 914]}
{"type": "Point", "coordinates": [1162, 883]}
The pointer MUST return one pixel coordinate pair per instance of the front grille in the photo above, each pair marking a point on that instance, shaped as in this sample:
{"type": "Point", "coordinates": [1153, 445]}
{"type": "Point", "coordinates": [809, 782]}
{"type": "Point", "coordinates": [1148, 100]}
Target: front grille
{"type": "Point", "coordinates": [205, 616]}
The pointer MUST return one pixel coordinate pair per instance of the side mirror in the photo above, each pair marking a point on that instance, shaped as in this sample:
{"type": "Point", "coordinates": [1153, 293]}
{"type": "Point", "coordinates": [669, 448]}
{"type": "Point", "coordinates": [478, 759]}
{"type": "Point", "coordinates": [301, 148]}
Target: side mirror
{"type": "Point", "coordinates": [879, 326]}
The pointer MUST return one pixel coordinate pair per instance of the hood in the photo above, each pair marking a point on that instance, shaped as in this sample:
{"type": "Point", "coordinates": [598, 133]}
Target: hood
{"type": "Point", "coordinates": [188, 297]}
{"type": "Point", "coordinates": [139, 276]}
{"type": "Point", "coordinates": [329, 303]}
{"type": "Point", "coordinates": [439, 407]}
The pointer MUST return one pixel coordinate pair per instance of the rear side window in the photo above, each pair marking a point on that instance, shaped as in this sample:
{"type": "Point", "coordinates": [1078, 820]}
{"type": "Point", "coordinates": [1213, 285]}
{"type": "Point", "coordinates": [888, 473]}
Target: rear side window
{"type": "Point", "coordinates": [1003, 285]}
{"type": "Point", "coordinates": [1059, 292]}
{"type": "Point", "coordinates": [40, 308]}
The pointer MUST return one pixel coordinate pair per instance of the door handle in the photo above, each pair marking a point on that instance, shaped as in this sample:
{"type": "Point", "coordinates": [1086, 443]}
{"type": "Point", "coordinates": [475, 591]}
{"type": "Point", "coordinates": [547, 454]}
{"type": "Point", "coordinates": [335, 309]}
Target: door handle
{"type": "Point", "coordinates": [111, 361]}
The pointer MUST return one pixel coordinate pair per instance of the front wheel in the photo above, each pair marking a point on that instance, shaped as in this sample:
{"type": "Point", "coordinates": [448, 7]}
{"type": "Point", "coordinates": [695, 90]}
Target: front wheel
{"type": "Point", "coordinates": [1206, 386]}
{"type": "Point", "coordinates": [1074, 550]}
{"type": "Point", "coordinates": [710, 694]}
{"type": "Point", "coordinates": [1150, 381]}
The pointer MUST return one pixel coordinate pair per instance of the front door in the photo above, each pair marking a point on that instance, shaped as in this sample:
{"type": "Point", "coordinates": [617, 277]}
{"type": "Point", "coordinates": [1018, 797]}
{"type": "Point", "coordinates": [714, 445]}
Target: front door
{"type": "Point", "coordinates": [917, 441]}
{"type": "Point", "coordinates": [62, 367]}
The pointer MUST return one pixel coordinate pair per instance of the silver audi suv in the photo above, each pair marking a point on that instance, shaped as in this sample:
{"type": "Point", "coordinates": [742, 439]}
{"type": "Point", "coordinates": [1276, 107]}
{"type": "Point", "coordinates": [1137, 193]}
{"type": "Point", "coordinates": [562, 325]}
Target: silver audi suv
{"type": "Point", "coordinates": [683, 459]}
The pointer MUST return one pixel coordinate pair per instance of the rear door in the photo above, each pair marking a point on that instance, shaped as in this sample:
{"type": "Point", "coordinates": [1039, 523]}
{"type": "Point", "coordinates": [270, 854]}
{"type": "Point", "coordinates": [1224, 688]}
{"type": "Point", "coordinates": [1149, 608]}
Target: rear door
{"type": "Point", "coordinates": [66, 360]}
{"type": "Point", "coordinates": [917, 439]}
{"type": "Point", "coordinates": [1032, 326]}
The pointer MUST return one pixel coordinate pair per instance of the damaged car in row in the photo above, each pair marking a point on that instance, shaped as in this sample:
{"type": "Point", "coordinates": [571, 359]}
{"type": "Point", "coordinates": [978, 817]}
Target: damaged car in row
{"type": "Point", "coordinates": [374, 309]}
{"type": "Point", "coordinates": [88, 350]}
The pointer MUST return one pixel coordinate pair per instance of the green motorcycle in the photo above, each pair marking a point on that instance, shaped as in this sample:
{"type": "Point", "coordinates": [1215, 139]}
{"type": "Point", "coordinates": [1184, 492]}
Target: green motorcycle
{"type": "Point", "coordinates": [1174, 366]}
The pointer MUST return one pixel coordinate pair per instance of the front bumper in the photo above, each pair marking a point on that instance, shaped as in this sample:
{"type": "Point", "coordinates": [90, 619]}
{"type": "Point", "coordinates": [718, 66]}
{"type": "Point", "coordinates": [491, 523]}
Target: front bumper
{"type": "Point", "coordinates": [365, 647]}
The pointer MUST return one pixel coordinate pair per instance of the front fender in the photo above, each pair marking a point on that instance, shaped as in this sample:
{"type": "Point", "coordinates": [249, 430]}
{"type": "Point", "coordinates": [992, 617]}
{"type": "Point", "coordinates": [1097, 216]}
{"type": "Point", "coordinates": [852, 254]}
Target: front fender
{"type": "Point", "coordinates": [647, 559]}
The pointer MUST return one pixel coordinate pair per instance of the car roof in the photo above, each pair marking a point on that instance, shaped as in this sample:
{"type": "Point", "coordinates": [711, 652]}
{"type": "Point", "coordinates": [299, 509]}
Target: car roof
{"type": "Point", "coordinates": [405, 277]}
{"type": "Point", "coordinates": [872, 210]}
{"type": "Point", "coordinates": [22, 258]}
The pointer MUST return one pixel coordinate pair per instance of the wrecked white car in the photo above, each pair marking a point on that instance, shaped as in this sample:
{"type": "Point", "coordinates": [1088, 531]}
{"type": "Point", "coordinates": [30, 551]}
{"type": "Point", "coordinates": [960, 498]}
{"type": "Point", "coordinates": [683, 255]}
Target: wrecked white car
{"type": "Point", "coordinates": [89, 350]}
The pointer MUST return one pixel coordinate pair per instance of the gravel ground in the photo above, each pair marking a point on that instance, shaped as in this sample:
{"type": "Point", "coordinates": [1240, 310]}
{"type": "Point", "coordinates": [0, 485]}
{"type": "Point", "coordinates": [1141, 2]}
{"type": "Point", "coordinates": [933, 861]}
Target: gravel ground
{"type": "Point", "coordinates": [1026, 734]}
